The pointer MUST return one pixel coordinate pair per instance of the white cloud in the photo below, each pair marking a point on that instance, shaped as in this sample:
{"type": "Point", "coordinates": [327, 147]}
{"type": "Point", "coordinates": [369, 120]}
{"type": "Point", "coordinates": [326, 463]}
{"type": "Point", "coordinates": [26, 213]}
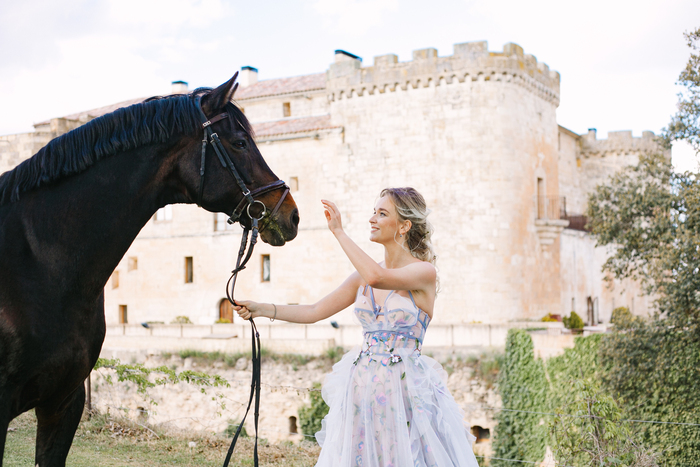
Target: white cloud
{"type": "Point", "coordinates": [353, 17]}
{"type": "Point", "coordinates": [89, 72]}
{"type": "Point", "coordinates": [167, 13]}
{"type": "Point", "coordinates": [684, 157]}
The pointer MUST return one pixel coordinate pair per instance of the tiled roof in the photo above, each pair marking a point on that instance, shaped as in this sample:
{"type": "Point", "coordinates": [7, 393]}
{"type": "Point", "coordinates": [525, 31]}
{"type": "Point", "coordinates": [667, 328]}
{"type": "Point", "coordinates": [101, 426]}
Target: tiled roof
{"type": "Point", "coordinates": [272, 87]}
{"type": "Point", "coordinates": [98, 112]}
{"type": "Point", "coordinates": [293, 125]}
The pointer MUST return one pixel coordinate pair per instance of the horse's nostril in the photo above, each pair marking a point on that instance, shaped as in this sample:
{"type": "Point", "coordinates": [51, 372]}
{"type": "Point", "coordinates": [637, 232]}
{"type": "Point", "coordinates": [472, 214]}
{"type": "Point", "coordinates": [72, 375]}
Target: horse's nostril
{"type": "Point", "coordinates": [295, 217]}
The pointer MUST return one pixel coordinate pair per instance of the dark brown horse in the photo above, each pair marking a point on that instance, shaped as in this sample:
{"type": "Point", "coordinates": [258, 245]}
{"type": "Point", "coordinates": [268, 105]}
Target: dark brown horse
{"type": "Point", "coordinates": [68, 215]}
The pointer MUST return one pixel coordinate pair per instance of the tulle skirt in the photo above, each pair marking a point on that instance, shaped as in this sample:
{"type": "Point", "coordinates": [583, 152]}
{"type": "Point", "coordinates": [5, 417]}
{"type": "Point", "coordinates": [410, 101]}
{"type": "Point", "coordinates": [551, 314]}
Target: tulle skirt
{"type": "Point", "coordinates": [385, 414]}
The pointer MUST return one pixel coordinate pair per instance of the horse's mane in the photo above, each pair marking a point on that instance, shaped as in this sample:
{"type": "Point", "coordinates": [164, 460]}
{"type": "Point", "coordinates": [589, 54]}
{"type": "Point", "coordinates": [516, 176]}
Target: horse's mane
{"type": "Point", "coordinates": [153, 121]}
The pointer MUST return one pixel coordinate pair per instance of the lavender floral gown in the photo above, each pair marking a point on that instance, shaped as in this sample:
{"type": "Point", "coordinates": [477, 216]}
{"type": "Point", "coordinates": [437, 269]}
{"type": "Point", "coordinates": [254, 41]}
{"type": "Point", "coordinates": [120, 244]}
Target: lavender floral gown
{"type": "Point", "coordinates": [389, 406]}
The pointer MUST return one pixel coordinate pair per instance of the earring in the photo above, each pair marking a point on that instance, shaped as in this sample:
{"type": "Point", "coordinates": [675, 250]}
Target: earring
{"type": "Point", "coordinates": [400, 235]}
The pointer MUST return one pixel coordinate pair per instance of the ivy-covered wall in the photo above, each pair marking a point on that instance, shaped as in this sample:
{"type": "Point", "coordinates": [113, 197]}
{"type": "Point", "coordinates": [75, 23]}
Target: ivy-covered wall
{"type": "Point", "coordinates": [652, 372]}
{"type": "Point", "coordinates": [523, 386]}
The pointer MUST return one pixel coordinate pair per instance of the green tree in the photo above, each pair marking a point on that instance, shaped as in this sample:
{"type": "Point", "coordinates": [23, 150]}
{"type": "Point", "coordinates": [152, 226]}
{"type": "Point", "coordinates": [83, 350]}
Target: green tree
{"type": "Point", "coordinates": [521, 433]}
{"type": "Point", "coordinates": [650, 217]}
{"type": "Point", "coordinates": [685, 125]}
{"type": "Point", "coordinates": [590, 431]}
{"type": "Point", "coordinates": [653, 369]}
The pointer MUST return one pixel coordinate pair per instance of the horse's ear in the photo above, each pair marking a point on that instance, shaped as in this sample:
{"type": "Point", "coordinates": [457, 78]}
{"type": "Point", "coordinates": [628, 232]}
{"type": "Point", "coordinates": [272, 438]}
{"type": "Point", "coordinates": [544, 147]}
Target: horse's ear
{"type": "Point", "coordinates": [219, 97]}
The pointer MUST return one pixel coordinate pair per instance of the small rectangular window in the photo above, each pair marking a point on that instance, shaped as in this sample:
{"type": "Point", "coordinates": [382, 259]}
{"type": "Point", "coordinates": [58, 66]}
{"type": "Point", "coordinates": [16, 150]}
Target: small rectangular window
{"type": "Point", "coordinates": [221, 222]}
{"type": "Point", "coordinates": [189, 272]}
{"type": "Point", "coordinates": [133, 263]}
{"type": "Point", "coordinates": [115, 280]}
{"type": "Point", "coordinates": [293, 184]}
{"type": "Point", "coordinates": [541, 213]}
{"type": "Point", "coordinates": [123, 319]}
{"type": "Point", "coordinates": [287, 109]}
{"type": "Point", "coordinates": [164, 214]}
{"type": "Point", "coordinates": [265, 261]}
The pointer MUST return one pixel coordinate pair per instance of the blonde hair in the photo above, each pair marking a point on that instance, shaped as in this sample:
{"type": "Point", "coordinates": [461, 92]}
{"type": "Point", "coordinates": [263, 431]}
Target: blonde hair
{"type": "Point", "coordinates": [410, 205]}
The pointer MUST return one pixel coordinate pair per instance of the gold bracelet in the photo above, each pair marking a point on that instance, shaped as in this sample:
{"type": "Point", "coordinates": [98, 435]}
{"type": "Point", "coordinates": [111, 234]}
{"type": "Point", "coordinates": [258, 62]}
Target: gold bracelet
{"type": "Point", "coordinates": [275, 316]}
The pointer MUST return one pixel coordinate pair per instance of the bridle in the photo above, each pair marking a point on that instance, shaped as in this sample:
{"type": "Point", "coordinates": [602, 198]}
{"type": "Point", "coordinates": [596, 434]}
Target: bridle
{"type": "Point", "coordinates": [244, 206]}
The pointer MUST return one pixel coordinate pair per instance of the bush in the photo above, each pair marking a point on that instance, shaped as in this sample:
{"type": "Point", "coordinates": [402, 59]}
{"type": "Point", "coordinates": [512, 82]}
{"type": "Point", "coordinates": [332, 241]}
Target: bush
{"type": "Point", "coordinates": [550, 318]}
{"type": "Point", "coordinates": [654, 370]}
{"type": "Point", "coordinates": [623, 319]}
{"type": "Point", "coordinates": [574, 321]}
{"type": "Point", "coordinates": [522, 386]}
{"type": "Point", "coordinates": [231, 430]}
{"type": "Point", "coordinates": [590, 431]}
{"type": "Point", "coordinates": [311, 416]}
{"type": "Point", "coordinates": [181, 320]}
{"type": "Point", "coordinates": [223, 321]}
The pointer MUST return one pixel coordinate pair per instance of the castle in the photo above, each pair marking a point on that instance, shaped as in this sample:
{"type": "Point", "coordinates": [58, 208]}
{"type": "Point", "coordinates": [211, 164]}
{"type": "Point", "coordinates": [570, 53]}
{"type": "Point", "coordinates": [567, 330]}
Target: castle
{"type": "Point", "coordinates": [475, 132]}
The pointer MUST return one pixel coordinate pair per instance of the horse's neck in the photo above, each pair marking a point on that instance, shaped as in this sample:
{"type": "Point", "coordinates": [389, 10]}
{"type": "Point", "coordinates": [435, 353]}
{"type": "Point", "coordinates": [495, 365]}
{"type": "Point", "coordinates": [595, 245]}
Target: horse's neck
{"type": "Point", "coordinates": [83, 225]}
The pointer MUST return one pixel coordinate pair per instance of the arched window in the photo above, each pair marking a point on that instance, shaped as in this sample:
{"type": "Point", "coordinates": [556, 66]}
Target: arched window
{"type": "Point", "coordinates": [293, 425]}
{"type": "Point", "coordinates": [225, 311]}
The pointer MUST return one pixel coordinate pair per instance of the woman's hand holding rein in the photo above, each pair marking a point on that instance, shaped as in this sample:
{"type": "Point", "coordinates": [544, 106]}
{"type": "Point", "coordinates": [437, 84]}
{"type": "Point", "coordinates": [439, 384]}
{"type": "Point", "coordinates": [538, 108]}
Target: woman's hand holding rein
{"type": "Point", "coordinates": [247, 309]}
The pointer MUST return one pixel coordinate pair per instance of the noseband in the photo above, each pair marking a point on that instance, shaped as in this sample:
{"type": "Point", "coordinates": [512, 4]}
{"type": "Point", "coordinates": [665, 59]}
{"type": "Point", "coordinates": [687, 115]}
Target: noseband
{"type": "Point", "coordinates": [245, 205]}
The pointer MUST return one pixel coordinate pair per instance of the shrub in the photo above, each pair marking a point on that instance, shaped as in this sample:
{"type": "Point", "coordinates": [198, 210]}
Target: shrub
{"type": "Point", "coordinates": [522, 386]}
{"type": "Point", "coordinates": [181, 320]}
{"type": "Point", "coordinates": [574, 321]}
{"type": "Point", "coordinates": [311, 415]}
{"type": "Point", "coordinates": [623, 319]}
{"type": "Point", "coordinates": [550, 318]}
{"type": "Point", "coordinates": [654, 370]}
{"type": "Point", "coordinates": [232, 427]}
{"type": "Point", "coordinates": [223, 321]}
{"type": "Point", "coordinates": [590, 430]}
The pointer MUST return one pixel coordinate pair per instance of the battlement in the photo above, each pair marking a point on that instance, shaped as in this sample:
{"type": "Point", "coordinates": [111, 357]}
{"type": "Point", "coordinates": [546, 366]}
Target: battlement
{"type": "Point", "coordinates": [620, 142]}
{"type": "Point", "coordinates": [471, 61]}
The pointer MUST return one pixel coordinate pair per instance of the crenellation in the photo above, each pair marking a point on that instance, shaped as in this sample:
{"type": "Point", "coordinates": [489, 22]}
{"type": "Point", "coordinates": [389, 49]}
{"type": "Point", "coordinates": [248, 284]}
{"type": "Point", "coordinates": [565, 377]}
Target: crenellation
{"type": "Point", "coordinates": [471, 49]}
{"type": "Point", "coordinates": [425, 54]}
{"type": "Point", "coordinates": [511, 49]}
{"type": "Point", "coordinates": [475, 132]}
{"type": "Point", "coordinates": [620, 142]}
{"type": "Point", "coordinates": [471, 61]}
{"type": "Point", "coordinates": [385, 60]}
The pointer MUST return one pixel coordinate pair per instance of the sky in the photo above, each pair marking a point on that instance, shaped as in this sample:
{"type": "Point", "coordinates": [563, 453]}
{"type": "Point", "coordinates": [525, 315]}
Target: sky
{"type": "Point", "coordinates": [618, 60]}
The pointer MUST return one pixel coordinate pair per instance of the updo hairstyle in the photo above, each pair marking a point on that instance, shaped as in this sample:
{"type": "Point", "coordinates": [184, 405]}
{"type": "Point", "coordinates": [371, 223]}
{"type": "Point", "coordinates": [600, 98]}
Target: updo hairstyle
{"type": "Point", "coordinates": [410, 205]}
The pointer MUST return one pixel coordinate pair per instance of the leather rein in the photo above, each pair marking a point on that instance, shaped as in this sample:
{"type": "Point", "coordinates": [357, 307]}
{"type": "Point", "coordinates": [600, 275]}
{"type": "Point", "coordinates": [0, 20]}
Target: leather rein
{"type": "Point", "coordinates": [259, 209]}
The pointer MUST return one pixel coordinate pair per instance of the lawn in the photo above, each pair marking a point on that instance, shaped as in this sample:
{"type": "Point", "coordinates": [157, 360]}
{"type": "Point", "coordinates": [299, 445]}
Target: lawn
{"type": "Point", "coordinates": [113, 442]}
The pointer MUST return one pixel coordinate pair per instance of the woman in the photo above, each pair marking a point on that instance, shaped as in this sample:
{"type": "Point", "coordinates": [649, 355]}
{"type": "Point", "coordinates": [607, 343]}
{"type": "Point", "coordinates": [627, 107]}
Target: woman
{"type": "Point", "coordinates": [388, 404]}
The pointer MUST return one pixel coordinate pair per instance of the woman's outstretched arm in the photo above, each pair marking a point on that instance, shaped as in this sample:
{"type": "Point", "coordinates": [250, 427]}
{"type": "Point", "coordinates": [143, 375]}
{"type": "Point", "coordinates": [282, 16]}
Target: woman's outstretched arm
{"type": "Point", "coordinates": [420, 275]}
{"type": "Point", "coordinates": [339, 299]}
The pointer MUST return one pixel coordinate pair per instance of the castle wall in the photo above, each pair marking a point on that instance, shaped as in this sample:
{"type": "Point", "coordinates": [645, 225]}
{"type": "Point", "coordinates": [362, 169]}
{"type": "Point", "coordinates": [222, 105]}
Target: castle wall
{"type": "Point", "coordinates": [474, 147]}
{"type": "Point", "coordinates": [582, 279]}
{"type": "Point", "coordinates": [302, 104]}
{"type": "Point", "coordinates": [584, 163]}
{"type": "Point", "coordinates": [473, 132]}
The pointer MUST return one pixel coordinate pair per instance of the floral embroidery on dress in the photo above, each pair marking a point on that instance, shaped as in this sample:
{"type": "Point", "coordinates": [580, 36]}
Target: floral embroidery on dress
{"type": "Point", "coordinates": [386, 398]}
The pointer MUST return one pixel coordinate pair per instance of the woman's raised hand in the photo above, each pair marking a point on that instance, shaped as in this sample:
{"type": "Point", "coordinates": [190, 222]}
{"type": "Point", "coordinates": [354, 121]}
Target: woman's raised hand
{"type": "Point", "coordinates": [247, 309]}
{"type": "Point", "coordinates": [332, 216]}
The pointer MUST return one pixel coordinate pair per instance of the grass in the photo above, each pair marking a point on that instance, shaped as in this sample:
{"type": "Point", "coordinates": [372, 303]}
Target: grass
{"type": "Point", "coordinates": [485, 366]}
{"type": "Point", "coordinates": [115, 442]}
{"type": "Point", "coordinates": [331, 356]}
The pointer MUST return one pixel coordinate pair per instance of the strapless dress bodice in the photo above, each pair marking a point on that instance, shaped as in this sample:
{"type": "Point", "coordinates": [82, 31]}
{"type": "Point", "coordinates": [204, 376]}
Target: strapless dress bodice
{"type": "Point", "coordinates": [392, 329]}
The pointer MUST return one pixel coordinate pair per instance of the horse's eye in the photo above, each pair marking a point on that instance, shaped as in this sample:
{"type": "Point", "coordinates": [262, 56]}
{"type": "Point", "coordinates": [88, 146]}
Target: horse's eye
{"type": "Point", "coordinates": [240, 144]}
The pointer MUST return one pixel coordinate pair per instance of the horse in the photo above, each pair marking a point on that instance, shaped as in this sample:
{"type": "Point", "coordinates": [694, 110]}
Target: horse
{"type": "Point", "coordinates": [68, 215]}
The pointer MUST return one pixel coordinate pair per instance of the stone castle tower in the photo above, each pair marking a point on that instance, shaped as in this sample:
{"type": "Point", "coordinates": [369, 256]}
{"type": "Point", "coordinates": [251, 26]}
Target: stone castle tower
{"type": "Point", "coordinates": [474, 132]}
